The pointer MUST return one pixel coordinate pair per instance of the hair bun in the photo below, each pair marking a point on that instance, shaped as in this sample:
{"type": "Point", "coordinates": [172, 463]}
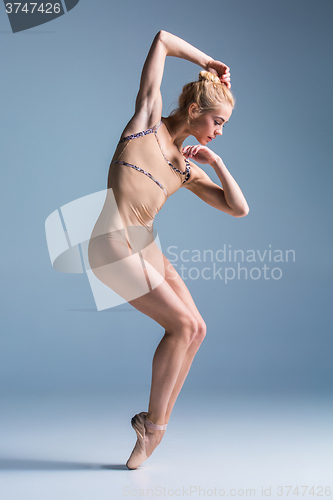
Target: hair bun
{"type": "Point", "coordinates": [208, 77]}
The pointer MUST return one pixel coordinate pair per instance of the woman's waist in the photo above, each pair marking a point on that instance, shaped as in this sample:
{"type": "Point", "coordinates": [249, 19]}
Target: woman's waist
{"type": "Point", "coordinates": [113, 223]}
{"type": "Point", "coordinates": [135, 236]}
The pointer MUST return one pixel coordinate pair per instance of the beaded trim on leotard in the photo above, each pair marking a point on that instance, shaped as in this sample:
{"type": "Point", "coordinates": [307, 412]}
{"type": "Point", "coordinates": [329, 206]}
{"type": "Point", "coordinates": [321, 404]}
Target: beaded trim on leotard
{"type": "Point", "coordinates": [141, 134]}
{"type": "Point", "coordinates": [187, 163]}
{"type": "Point", "coordinates": [144, 172]}
{"type": "Point", "coordinates": [139, 169]}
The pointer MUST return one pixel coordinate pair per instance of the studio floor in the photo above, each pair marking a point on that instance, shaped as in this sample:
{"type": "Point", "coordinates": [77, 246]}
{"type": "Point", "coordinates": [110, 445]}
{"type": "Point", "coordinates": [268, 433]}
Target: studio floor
{"type": "Point", "coordinates": [74, 447]}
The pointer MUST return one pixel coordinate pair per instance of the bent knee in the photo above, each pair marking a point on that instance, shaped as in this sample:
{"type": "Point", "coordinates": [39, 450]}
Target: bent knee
{"type": "Point", "coordinates": [201, 331]}
{"type": "Point", "coordinates": [186, 328]}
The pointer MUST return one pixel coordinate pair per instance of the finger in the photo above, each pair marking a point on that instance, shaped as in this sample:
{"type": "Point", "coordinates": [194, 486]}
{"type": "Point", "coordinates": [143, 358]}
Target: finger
{"type": "Point", "coordinates": [189, 151]}
{"type": "Point", "coordinates": [225, 79]}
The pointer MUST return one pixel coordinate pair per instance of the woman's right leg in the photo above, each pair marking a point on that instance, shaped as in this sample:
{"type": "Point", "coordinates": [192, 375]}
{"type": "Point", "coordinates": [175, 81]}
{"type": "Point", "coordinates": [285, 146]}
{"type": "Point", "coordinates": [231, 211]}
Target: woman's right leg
{"type": "Point", "coordinates": [112, 264]}
{"type": "Point", "coordinates": [178, 285]}
{"type": "Point", "coordinates": [127, 277]}
{"type": "Point", "coordinates": [164, 306]}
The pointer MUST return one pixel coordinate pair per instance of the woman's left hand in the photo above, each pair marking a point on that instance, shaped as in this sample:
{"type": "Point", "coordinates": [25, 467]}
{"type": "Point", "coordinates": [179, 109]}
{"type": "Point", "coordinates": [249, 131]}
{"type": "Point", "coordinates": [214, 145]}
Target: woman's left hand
{"type": "Point", "coordinates": [221, 70]}
{"type": "Point", "coordinates": [199, 153]}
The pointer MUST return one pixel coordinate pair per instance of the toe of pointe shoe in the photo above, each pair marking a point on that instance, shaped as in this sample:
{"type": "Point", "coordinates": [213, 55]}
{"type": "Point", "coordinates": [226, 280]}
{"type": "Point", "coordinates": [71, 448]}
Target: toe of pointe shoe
{"type": "Point", "coordinates": [138, 454]}
{"type": "Point", "coordinates": [137, 457]}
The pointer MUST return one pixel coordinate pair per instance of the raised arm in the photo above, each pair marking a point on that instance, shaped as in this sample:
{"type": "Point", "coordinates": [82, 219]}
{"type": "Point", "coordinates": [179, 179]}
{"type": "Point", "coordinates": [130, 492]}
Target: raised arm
{"type": "Point", "coordinates": [148, 106]}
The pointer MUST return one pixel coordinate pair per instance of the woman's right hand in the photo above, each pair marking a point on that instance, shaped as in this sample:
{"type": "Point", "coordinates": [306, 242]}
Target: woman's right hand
{"type": "Point", "coordinates": [200, 153]}
{"type": "Point", "coordinates": [221, 70]}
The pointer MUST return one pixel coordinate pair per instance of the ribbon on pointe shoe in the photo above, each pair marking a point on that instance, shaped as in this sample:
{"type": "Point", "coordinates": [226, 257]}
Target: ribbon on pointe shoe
{"type": "Point", "coordinates": [155, 427]}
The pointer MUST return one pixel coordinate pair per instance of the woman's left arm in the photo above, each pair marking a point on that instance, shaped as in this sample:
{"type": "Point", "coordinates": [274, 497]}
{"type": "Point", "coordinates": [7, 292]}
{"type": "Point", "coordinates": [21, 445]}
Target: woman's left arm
{"type": "Point", "coordinates": [230, 199]}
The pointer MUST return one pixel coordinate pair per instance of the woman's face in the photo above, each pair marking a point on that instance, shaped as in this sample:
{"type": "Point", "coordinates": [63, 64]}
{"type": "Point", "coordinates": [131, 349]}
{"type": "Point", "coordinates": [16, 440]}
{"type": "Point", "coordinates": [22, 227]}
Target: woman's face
{"type": "Point", "coordinates": [207, 127]}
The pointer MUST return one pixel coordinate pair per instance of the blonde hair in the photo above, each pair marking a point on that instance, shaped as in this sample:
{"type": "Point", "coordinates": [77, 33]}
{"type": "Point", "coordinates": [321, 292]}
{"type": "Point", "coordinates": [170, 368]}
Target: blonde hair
{"type": "Point", "coordinates": [207, 93]}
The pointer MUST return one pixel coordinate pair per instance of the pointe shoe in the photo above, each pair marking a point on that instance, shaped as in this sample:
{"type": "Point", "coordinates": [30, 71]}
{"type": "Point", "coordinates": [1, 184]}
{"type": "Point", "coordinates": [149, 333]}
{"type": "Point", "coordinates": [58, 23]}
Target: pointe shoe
{"type": "Point", "coordinates": [139, 455]}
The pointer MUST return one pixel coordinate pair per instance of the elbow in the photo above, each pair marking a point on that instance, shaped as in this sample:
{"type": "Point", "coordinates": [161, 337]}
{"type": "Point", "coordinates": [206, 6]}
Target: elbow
{"type": "Point", "coordinates": [162, 37]}
{"type": "Point", "coordinates": [242, 211]}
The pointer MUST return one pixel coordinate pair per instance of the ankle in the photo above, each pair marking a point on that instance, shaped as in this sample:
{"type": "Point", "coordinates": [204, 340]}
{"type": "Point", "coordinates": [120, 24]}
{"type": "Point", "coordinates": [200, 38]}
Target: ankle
{"type": "Point", "coordinates": [155, 420]}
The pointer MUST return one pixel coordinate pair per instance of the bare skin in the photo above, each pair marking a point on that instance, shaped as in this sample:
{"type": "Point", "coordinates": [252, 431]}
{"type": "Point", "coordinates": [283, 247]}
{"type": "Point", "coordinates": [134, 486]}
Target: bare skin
{"type": "Point", "coordinates": [170, 304]}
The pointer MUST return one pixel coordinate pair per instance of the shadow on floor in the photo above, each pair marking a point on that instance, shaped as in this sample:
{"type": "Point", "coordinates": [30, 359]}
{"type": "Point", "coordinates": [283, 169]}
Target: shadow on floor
{"type": "Point", "coordinates": [31, 464]}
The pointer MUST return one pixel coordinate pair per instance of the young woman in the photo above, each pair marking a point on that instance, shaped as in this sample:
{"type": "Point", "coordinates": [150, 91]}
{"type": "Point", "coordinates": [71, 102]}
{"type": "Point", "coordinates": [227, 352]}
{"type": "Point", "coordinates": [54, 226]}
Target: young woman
{"type": "Point", "coordinates": [148, 166]}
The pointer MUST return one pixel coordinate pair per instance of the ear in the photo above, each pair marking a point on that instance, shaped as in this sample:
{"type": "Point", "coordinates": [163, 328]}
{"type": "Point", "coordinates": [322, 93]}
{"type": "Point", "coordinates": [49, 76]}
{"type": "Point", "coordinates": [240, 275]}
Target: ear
{"type": "Point", "coordinates": [193, 110]}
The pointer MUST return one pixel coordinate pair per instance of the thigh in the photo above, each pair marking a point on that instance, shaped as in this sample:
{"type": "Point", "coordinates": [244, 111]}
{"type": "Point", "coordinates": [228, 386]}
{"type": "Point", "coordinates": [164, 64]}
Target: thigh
{"type": "Point", "coordinates": [179, 287]}
{"type": "Point", "coordinates": [139, 278]}
{"type": "Point", "coordinates": [114, 264]}
{"type": "Point", "coordinates": [163, 305]}
{"type": "Point", "coordinates": [170, 301]}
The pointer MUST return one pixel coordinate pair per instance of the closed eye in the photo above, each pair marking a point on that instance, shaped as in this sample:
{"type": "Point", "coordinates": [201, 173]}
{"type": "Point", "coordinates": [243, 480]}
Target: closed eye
{"type": "Point", "coordinates": [217, 123]}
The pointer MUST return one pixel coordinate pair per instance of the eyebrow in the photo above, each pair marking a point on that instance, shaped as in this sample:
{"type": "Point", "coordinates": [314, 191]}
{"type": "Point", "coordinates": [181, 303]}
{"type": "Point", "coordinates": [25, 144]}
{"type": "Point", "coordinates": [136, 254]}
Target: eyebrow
{"type": "Point", "coordinates": [220, 117]}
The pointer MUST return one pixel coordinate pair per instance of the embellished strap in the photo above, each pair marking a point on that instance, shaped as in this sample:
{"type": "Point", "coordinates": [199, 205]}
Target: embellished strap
{"type": "Point", "coordinates": [156, 427]}
{"type": "Point", "coordinates": [143, 133]}
{"type": "Point", "coordinates": [121, 162]}
{"type": "Point", "coordinates": [187, 171]}
{"type": "Point", "coordinates": [187, 163]}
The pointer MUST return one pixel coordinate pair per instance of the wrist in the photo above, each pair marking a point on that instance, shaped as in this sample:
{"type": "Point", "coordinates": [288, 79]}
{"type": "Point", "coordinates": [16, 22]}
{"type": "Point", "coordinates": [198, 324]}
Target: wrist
{"type": "Point", "coordinates": [216, 162]}
{"type": "Point", "coordinates": [204, 61]}
{"type": "Point", "coordinates": [208, 64]}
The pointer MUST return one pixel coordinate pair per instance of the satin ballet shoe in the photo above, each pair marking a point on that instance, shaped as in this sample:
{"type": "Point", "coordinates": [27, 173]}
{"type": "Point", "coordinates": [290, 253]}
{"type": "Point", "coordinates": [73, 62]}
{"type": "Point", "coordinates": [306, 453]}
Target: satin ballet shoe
{"type": "Point", "coordinates": [139, 423]}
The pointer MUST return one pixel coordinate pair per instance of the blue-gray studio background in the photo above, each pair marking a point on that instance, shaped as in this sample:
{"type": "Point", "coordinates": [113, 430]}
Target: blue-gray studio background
{"type": "Point", "coordinates": [67, 90]}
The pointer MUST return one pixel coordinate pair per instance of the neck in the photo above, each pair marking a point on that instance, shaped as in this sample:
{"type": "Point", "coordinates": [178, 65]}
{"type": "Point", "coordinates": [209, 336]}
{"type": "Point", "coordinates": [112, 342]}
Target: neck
{"type": "Point", "coordinates": [178, 129]}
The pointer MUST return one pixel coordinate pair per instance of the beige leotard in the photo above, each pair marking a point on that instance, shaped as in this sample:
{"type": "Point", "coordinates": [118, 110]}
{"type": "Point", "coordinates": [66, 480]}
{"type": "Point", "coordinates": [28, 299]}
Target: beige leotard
{"type": "Point", "coordinates": [122, 249]}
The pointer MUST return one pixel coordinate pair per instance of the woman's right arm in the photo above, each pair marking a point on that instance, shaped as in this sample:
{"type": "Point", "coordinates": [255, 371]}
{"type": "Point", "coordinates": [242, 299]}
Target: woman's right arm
{"type": "Point", "coordinates": [148, 106]}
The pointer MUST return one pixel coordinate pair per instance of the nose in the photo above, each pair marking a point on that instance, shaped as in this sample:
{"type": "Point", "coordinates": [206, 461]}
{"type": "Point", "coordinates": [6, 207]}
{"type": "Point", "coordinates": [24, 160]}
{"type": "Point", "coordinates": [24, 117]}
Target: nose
{"type": "Point", "coordinates": [219, 130]}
